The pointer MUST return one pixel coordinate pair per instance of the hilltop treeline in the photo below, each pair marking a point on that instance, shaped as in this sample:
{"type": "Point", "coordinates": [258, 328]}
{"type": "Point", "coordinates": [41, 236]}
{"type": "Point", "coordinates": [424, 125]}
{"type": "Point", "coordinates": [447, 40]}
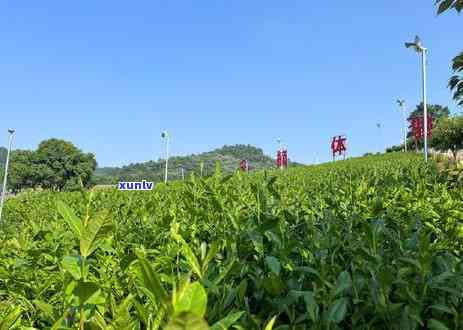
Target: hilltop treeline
{"type": "Point", "coordinates": [228, 156]}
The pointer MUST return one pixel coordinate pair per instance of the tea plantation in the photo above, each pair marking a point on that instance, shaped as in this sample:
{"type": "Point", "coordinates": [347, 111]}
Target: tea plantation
{"type": "Point", "coordinates": [367, 243]}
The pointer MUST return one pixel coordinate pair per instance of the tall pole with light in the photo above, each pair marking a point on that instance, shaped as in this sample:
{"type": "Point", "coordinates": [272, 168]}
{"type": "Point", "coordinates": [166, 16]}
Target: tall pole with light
{"type": "Point", "coordinates": [5, 175]}
{"type": "Point", "coordinates": [380, 137]}
{"type": "Point", "coordinates": [401, 104]}
{"type": "Point", "coordinates": [418, 47]}
{"type": "Point", "coordinates": [165, 136]}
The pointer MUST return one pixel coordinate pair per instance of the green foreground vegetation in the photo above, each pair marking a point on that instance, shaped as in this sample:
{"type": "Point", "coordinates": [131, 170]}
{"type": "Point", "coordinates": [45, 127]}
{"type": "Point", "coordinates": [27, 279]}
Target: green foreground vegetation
{"type": "Point", "coordinates": [367, 243]}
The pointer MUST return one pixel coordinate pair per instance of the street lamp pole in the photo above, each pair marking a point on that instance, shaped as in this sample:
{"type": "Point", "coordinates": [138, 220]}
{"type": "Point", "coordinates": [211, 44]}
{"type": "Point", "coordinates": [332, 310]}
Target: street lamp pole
{"type": "Point", "coordinates": [404, 122]}
{"type": "Point", "coordinates": [380, 137]}
{"type": "Point", "coordinates": [418, 47]}
{"type": "Point", "coordinates": [165, 136]}
{"type": "Point", "coordinates": [5, 175]}
{"type": "Point", "coordinates": [425, 104]}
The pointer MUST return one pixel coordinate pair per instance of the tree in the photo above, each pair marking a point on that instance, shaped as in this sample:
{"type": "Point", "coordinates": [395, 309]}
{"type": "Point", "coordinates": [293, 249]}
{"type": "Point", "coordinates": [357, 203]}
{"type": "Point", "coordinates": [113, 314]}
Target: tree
{"type": "Point", "coordinates": [456, 81]}
{"type": "Point", "coordinates": [60, 165]}
{"type": "Point", "coordinates": [22, 170]}
{"type": "Point", "coordinates": [3, 152]}
{"type": "Point", "coordinates": [435, 110]}
{"type": "Point", "coordinates": [445, 5]}
{"type": "Point", "coordinates": [448, 134]}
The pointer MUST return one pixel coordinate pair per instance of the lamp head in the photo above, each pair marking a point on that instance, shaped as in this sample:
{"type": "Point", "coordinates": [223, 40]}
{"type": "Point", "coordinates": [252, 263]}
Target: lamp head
{"type": "Point", "coordinates": [418, 42]}
{"type": "Point", "coordinates": [11, 131]}
{"type": "Point", "coordinates": [417, 45]}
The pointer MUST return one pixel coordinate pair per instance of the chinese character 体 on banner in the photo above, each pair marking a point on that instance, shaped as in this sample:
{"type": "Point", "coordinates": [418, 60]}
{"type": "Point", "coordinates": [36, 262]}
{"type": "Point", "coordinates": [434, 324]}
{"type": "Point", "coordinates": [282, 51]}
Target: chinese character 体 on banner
{"type": "Point", "coordinates": [339, 146]}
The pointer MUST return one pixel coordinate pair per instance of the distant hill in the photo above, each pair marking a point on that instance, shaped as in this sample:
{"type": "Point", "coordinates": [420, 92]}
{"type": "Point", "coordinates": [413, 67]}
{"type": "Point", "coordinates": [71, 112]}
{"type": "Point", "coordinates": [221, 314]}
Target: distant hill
{"type": "Point", "coordinates": [229, 157]}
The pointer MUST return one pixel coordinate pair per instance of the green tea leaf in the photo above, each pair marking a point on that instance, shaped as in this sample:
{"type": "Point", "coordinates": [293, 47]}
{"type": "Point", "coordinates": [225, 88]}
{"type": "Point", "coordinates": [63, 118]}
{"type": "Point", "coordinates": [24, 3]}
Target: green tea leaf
{"type": "Point", "coordinates": [10, 319]}
{"type": "Point", "coordinates": [191, 299]}
{"type": "Point", "coordinates": [227, 321]}
{"type": "Point", "coordinates": [45, 308]}
{"type": "Point", "coordinates": [411, 262]}
{"type": "Point", "coordinates": [151, 282]}
{"type": "Point", "coordinates": [85, 291]}
{"type": "Point", "coordinates": [211, 253]}
{"type": "Point", "coordinates": [189, 255]}
{"type": "Point", "coordinates": [338, 310]}
{"type": "Point", "coordinates": [71, 264]}
{"type": "Point", "coordinates": [270, 324]}
{"type": "Point", "coordinates": [93, 232]}
{"type": "Point", "coordinates": [187, 321]}
{"type": "Point", "coordinates": [344, 283]}
{"type": "Point", "coordinates": [225, 272]}
{"type": "Point", "coordinates": [311, 305]}
{"type": "Point", "coordinates": [273, 264]}
{"type": "Point", "coordinates": [442, 308]}
{"type": "Point", "coordinates": [71, 219]}
{"type": "Point", "coordinates": [436, 325]}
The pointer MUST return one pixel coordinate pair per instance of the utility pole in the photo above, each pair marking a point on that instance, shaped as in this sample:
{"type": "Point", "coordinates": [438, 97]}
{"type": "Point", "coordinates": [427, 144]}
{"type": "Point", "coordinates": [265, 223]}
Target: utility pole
{"type": "Point", "coordinates": [380, 137]}
{"type": "Point", "coordinates": [166, 137]}
{"type": "Point", "coordinates": [425, 102]}
{"type": "Point", "coordinates": [5, 175]}
{"type": "Point", "coordinates": [404, 122]}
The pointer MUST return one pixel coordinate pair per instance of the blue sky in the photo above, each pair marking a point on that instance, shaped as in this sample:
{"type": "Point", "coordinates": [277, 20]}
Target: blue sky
{"type": "Point", "coordinates": [110, 75]}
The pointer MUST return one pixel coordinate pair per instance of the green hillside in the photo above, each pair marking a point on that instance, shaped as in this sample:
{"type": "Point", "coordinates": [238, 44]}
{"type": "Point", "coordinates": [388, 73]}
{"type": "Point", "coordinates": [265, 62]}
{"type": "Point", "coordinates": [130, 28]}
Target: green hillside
{"type": "Point", "coordinates": [228, 156]}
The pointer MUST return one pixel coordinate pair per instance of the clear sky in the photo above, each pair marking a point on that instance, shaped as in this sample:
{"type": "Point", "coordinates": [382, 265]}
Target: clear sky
{"type": "Point", "coordinates": [110, 75]}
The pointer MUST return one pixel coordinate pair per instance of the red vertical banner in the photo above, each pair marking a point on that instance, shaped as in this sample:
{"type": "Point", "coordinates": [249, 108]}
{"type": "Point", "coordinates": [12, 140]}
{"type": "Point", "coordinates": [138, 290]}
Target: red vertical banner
{"type": "Point", "coordinates": [284, 158]}
{"type": "Point", "coordinates": [244, 165]}
{"type": "Point", "coordinates": [279, 158]}
{"type": "Point", "coordinates": [417, 127]}
{"type": "Point", "coordinates": [339, 146]}
{"type": "Point", "coordinates": [430, 125]}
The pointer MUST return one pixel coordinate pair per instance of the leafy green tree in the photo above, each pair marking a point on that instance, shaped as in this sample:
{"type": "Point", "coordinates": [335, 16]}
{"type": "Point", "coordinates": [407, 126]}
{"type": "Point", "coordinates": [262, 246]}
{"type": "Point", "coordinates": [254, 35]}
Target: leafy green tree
{"type": "Point", "coordinates": [61, 165]}
{"type": "Point", "coordinates": [448, 134]}
{"type": "Point", "coordinates": [3, 152]}
{"type": "Point", "coordinates": [456, 81]}
{"type": "Point", "coordinates": [444, 5]}
{"type": "Point", "coordinates": [22, 170]}
{"type": "Point", "coordinates": [435, 110]}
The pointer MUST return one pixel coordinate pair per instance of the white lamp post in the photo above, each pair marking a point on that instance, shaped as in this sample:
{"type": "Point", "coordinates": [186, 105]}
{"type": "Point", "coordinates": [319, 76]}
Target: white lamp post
{"type": "Point", "coordinates": [5, 175]}
{"type": "Point", "coordinates": [404, 121]}
{"type": "Point", "coordinates": [166, 137]}
{"type": "Point", "coordinates": [418, 47]}
{"type": "Point", "coordinates": [380, 137]}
